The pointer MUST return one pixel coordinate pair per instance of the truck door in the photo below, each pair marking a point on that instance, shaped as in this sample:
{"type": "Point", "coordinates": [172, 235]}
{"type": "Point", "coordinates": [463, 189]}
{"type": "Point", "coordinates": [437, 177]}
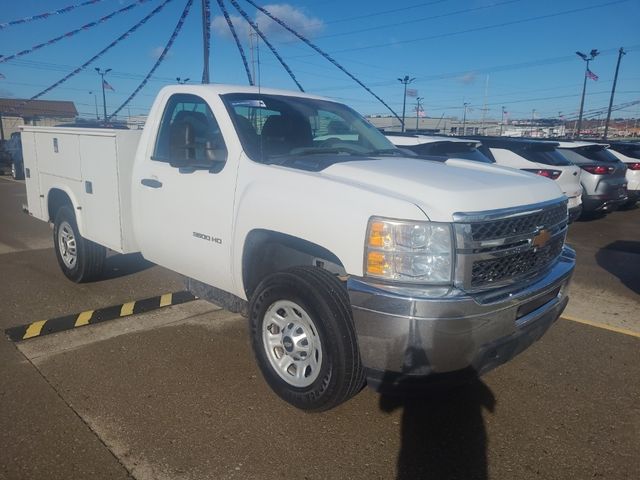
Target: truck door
{"type": "Point", "coordinates": [183, 193]}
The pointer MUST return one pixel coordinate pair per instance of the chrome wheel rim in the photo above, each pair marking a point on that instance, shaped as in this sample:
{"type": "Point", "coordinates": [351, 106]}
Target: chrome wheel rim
{"type": "Point", "coordinates": [292, 344]}
{"type": "Point", "coordinates": [67, 245]}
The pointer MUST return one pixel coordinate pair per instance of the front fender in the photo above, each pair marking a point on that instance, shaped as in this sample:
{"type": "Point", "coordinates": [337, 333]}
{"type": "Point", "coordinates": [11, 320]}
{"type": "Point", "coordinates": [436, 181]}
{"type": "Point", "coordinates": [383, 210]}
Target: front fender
{"type": "Point", "coordinates": [310, 206]}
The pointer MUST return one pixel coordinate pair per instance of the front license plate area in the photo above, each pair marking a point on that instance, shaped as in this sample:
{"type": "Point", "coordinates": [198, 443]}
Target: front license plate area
{"type": "Point", "coordinates": [528, 307]}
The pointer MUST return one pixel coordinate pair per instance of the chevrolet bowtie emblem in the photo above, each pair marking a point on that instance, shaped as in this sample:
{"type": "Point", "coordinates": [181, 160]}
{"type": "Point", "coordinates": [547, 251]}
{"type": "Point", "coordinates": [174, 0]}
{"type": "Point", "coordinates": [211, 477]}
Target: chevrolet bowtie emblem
{"type": "Point", "coordinates": [541, 238]}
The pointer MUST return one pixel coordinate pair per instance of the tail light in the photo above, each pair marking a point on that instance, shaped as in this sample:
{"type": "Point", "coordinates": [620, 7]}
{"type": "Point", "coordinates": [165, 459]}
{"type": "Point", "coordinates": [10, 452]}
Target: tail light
{"type": "Point", "coordinates": [552, 174]}
{"type": "Point", "coordinates": [597, 169]}
{"type": "Point", "coordinates": [633, 166]}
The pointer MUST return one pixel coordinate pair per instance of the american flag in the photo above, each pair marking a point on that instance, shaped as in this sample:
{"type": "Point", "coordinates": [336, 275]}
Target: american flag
{"type": "Point", "coordinates": [106, 86]}
{"type": "Point", "coordinates": [592, 75]}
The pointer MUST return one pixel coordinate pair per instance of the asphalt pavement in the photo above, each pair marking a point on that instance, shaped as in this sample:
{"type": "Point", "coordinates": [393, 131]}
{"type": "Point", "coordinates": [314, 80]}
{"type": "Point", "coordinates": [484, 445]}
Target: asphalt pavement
{"type": "Point", "coordinates": [175, 393]}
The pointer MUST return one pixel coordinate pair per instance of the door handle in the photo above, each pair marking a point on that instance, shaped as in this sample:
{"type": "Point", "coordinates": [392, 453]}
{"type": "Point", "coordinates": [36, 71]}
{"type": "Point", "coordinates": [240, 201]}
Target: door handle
{"type": "Point", "coordinates": [150, 182]}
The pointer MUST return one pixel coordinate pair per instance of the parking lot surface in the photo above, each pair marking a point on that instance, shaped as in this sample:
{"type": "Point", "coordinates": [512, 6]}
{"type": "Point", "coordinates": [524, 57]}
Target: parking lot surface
{"type": "Point", "coordinates": [175, 393]}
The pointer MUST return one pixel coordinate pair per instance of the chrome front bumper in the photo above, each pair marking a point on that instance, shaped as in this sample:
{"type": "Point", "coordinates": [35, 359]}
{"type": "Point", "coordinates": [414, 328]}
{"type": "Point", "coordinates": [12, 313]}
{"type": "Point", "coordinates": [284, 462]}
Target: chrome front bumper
{"type": "Point", "coordinates": [424, 332]}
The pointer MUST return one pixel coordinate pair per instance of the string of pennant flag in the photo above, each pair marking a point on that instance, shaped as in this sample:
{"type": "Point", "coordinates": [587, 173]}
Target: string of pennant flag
{"type": "Point", "coordinates": [42, 16]}
{"type": "Point", "coordinates": [72, 32]}
{"type": "Point", "coordinates": [162, 56]}
{"type": "Point", "coordinates": [126, 34]}
{"type": "Point", "coordinates": [207, 15]}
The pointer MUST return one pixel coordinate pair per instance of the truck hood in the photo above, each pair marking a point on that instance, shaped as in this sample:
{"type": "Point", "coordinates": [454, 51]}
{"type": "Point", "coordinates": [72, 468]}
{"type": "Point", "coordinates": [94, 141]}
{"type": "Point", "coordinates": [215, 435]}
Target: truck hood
{"type": "Point", "coordinates": [442, 189]}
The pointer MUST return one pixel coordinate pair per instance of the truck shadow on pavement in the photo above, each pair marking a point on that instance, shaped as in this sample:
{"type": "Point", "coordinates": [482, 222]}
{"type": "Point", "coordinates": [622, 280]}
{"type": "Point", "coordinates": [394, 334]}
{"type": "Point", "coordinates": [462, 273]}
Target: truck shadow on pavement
{"type": "Point", "coordinates": [621, 258]}
{"type": "Point", "coordinates": [443, 435]}
{"type": "Point", "coordinates": [120, 265]}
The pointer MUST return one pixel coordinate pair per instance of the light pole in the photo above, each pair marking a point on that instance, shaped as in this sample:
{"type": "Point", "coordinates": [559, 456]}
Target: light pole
{"type": "Point", "coordinates": [464, 118]}
{"type": "Point", "coordinates": [418, 110]}
{"type": "Point", "coordinates": [592, 54]}
{"type": "Point", "coordinates": [533, 119]}
{"type": "Point", "coordinates": [182, 81]}
{"type": "Point", "coordinates": [621, 52]}
{"type": "Point", "coordinates": [502, 120]}
{"type": "Point", "coordinates": [95, 100]}
{"type": "Point", "coordinates": [104, 98]}
{"type": "Point", "coordinates": [405, 81]}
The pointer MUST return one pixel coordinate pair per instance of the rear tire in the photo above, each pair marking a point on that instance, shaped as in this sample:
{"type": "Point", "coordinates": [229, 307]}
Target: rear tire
{"type": "Point", "coordinates": [81, 260]}
{"type": "Point", "coordinates": [304, 340]}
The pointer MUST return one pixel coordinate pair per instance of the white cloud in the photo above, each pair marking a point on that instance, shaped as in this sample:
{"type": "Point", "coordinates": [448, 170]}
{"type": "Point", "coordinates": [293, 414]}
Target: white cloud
{"type": "Point", "coordinates": [290, 15]}
{"type": "Point", "coordinates": [467, 78]}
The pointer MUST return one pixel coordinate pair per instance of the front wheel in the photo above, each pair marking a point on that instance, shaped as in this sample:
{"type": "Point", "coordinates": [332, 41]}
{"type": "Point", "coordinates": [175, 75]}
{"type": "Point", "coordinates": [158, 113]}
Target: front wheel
{"type": "Point", "coordinates": [304, 340]}
{"type": "Point", "coordinates": [81, 260]}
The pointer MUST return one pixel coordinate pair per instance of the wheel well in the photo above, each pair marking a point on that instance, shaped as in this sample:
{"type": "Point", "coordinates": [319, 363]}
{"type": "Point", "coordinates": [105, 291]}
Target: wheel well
{"type": "Point", "coordinates": [266, 252]}
{"type": "Point", "coordinates": [57, 199]}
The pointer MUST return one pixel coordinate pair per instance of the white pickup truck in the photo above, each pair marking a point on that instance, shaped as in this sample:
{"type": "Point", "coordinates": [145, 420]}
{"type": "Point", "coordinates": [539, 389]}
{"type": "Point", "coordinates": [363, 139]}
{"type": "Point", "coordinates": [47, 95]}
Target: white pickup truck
{"type": "Point", "coordinates": [351, 260]}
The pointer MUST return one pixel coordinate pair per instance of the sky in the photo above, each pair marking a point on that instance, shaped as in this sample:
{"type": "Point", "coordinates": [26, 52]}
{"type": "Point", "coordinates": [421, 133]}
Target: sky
{"type": "Point", "coordinates": [516, 54]}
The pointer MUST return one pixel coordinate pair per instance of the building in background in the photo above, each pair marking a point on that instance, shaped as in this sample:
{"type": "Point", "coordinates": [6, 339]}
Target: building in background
{"type": "Point", "coordinates": [15, 112]}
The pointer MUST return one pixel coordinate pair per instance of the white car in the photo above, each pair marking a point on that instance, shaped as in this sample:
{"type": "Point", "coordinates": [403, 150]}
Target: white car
{"type": "Point", "coordinates": [529, 155]}
{"type": "Point", "coordinates": [541, 158]}
{"type": "Point", "coordinates": [629, 153]}
{"type": "Point", "coordinates": [450, 147]}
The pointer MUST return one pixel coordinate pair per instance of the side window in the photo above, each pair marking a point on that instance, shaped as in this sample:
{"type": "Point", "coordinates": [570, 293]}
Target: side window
{"type": "Point", "coordinates": [189, 135]}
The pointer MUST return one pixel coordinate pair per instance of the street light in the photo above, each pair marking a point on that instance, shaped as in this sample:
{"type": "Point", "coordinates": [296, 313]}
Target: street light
{"type": "Point", "coordinates": [502, 120]}
{"type": "Point", "coordinates": [405, 81]}
{"type": "Point", "coordinates": [182, 81]}
{"type": "Point", "coordinates": [95, 100]}
{"type": "Point", "coordinates": [104, 98]}
{"type": "Point", "coordinates": [587, 58]}
{"type": "Point", "coordinates": [464, 118]}
{"type": "Point", "coordinates": [418, 110]}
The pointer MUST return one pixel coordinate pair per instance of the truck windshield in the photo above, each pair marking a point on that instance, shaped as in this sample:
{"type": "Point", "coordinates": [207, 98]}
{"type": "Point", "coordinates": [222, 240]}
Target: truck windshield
{"type": "Point", "coordinates": [273, 127]}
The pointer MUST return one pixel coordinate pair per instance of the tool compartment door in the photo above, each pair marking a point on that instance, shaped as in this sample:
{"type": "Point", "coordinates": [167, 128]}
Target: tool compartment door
{"type": "Point", "coordinates": [100, 202]}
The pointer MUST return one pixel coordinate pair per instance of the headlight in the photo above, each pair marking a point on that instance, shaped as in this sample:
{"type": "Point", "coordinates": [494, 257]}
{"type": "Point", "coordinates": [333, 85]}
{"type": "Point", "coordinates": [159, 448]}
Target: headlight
{"type": "Point", "coordinates": [407, 251]}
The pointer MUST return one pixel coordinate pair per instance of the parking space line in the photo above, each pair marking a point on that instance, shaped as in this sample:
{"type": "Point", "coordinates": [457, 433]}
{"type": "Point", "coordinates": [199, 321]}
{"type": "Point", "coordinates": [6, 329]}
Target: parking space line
{"type": "Point", "coordinates": [603, 326]}
{"type": "Point", "coordinates": [90, 317]}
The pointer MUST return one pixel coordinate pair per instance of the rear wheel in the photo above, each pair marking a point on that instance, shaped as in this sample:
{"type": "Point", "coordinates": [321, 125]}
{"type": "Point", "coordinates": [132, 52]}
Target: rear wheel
{"type": "Point", "coordinates": [304, 340]}
{"type": "Point", "coordinates": [81, 260]}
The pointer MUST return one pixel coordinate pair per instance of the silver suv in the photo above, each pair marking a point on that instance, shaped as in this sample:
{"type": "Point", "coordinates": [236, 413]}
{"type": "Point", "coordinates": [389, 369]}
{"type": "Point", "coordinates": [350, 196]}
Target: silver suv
{"type": "Point", "coordinates": [603, 175]}
{"type": "Point", "coordinates": [629, 153]}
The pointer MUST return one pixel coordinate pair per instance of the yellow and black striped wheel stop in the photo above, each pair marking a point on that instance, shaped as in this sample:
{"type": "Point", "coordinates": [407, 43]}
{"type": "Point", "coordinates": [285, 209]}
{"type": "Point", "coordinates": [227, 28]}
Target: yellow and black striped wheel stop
{"type": "Point", "coordinates": [90, 317]}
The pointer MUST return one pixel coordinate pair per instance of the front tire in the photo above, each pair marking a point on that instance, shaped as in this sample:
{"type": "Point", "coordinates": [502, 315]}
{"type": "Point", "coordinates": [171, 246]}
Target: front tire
{"type": "Point", "coordinates": [304, 340]}
{"type": "Point", "coordinates": [81, 260]}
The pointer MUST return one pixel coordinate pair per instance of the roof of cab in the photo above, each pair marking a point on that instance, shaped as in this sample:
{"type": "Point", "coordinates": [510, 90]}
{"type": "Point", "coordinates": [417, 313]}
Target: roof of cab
{"type": "Point", "coordinates": [222, 89]}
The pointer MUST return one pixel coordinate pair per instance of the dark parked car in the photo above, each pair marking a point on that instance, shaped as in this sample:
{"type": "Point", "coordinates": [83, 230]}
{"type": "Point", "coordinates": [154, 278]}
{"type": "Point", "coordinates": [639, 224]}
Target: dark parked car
{"type": "Point", "coordinates": [14, 147]}
{"type": "Point", "coordinates": [5, 158]}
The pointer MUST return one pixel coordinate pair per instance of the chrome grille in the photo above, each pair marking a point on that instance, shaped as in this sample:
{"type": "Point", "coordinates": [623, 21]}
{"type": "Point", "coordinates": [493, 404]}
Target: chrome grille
{"type": "Point", "coordinates": [513, 266]}
{"type": "Point", "coordinates": [500, 247]}
{"type": "Point", "coordinates": [518, 225]}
